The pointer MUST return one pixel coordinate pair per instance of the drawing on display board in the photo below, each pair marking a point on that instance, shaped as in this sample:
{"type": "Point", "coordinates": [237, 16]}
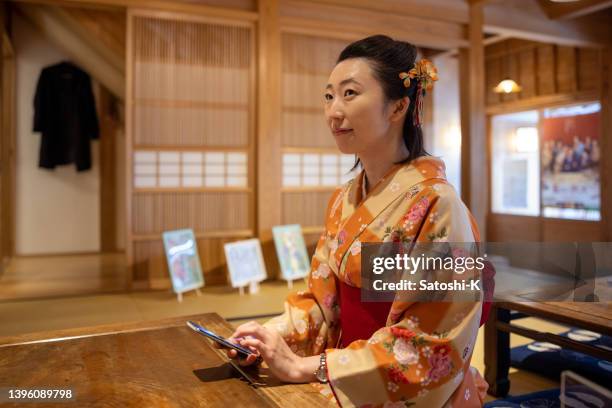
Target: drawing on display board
{"type": "Point", "coordinates": [245, 264]}
{"type": "Point", "coordinates": [183, 261]}
{"type": "Point", "coordinates": [291, 251]}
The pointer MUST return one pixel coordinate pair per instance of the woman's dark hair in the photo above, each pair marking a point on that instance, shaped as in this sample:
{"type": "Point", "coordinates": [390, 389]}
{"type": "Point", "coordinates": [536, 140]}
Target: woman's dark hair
{"type": "Point", "coordinates": [387, 59]}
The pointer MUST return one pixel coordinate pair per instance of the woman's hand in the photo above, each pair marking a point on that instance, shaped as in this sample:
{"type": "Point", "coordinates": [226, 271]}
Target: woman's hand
{"type": "Point", "coordinates": [234, 355]}
{"type": "Point", "coordinates": [284, 363]}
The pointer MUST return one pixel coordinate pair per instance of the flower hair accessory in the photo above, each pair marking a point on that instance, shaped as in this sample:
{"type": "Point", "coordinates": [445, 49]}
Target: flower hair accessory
{"type": "Point", "coordinates": [425, 73]}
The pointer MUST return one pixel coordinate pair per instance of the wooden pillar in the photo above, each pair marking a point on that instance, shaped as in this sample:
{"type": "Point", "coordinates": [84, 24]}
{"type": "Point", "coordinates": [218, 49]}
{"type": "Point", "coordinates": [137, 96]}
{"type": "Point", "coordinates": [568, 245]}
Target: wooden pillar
{"type": "Point", "coordinates": [497, 352]}
{"type": "Point", "coordinates": [3, 148]}
{"type": "Point", "coordinates": [474, 176]}
{"type": "Point", "coordinates": [268, 128]}
{"type": "Point", "coordinates": [108, 172]}
{"type": "Point", "coordinates": [7, 140]}
{"type": "Point", "coordinates": [464, 120]}
{"type": "Point", "coordinates": [606, 143]}
{"type": "Point", "coordinates": [128, 98]}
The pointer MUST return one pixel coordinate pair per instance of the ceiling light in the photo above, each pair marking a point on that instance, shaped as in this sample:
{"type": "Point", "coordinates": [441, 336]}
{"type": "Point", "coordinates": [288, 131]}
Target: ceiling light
{"type": "Point", "coordinates": [507, 86]}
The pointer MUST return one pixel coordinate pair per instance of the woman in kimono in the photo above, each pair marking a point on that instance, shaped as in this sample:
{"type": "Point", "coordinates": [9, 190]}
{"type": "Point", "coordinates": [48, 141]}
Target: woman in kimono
{"type": "Point", "coordinates": [401, 353]}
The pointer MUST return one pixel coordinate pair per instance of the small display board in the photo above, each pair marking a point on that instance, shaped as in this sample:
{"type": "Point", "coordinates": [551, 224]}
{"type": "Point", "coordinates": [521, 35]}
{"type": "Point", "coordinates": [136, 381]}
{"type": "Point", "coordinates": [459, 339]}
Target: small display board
{"type": "Point", "coordinates": [245, 264]}
{"type": "Point", "coordinates": [183, 261]}
{"type": "Point", "coordinates": [291, 251]}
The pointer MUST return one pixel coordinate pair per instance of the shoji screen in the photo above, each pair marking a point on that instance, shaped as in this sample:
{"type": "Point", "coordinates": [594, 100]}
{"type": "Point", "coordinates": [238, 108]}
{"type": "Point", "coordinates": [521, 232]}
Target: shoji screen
{"type": "Point", "coordinates": [312, 166]}
{"type": "Point", "coordinates": [190, 138]}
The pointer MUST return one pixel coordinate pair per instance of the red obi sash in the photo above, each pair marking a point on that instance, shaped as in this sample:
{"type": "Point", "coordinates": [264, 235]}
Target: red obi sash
{"type": "Point", "coordinates": [359, 321]}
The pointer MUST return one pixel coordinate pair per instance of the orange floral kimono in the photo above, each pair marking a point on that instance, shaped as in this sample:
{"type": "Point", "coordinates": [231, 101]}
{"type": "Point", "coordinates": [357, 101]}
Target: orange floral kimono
{"type": "Point", "coordinates": [421, 355]}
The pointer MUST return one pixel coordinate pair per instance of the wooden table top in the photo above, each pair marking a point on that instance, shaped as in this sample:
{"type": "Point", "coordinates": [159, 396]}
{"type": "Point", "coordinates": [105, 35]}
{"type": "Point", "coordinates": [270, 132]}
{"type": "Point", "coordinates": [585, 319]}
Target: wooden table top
{"type": "Point", "coordinates": [147, 364]}
{"type": "Point", "coordinates": [596, 316]}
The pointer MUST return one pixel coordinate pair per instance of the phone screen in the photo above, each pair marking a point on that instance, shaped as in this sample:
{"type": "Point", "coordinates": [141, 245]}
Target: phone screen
{"type": "Point", "coordinates": [215, 337]}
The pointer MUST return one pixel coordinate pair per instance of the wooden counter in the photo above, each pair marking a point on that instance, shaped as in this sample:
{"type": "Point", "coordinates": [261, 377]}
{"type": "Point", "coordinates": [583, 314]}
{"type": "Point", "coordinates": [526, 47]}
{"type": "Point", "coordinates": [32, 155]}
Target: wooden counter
{"type": "Point", "coordinates": [147, 364]}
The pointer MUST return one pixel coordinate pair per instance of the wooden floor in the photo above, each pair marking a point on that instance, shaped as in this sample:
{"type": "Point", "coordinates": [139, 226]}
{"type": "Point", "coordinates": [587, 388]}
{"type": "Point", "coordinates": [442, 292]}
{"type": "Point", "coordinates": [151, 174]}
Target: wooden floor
{"type": "Point", "coordinates": [52, 293]}
{"type": "Point", "coordinates": [35, 277]}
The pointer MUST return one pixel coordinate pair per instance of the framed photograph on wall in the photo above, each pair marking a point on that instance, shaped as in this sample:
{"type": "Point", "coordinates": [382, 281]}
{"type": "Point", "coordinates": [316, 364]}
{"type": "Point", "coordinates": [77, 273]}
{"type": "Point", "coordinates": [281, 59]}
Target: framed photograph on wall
{"type": "Point", "coordinates": [183, 260]}
{"type": "Point", "coordinates": [291, 251]}
{"type": "Point", "coordinates": [571, 150]}
{"type": "Point", "coordinates": [245, 262]}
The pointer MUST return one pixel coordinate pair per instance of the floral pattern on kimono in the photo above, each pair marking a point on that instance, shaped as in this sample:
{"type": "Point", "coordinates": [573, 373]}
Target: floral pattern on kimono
{"type": "Point", "coordinates": [421, 356]}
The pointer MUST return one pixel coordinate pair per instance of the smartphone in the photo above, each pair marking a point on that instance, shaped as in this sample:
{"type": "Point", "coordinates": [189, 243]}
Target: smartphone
{"type": "Point", "coordinates": [215, 337]}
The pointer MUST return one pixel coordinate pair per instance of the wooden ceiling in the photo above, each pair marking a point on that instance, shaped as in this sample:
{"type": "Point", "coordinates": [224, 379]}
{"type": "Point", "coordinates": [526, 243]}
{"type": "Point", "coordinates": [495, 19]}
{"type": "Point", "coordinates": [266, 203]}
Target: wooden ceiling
{"type": "Point", "coordinates": [92, 38]}
{"type": "Point", "coordinates": [574, 9]}
{"type": "Point", "coordinates": [98, 27]}
{"type": "Point", "coordinates": [107, 26]}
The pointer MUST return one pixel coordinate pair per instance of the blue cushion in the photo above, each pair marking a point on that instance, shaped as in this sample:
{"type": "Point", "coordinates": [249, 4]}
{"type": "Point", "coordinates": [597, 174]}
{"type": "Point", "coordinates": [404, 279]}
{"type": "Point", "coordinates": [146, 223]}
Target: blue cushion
{"type": "Point", "coordinates": [550, 360]}
{"type": "Point", "coordinates": [578, 395]}
{"type": "Point", "coordinates": [540, 399]}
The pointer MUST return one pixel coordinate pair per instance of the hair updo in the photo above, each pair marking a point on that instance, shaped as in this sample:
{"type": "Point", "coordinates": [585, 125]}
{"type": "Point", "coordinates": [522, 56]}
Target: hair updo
{"type": "Point", "coordinates": [387, 59]}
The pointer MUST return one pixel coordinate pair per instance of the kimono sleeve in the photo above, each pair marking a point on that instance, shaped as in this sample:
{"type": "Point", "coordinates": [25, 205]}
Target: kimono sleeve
{"type": "Point", "coordinates": [310, 319]}
{"type": "Point", "coordinates": [422, 356]}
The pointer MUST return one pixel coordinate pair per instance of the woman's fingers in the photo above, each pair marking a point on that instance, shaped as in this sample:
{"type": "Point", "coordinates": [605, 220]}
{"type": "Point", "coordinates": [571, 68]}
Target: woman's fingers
{"type": "Point", "coordinates": [250, 359]}
{"type": "Point", "coordinates": [245, 326]}
{"type": "Point", "coordinates": [257, 344]}
{"type": "Point", "coordinates": [231, 353]}
{"type": "Point", "coordinates": [252, 329]}
{"type": "Point", "coordinates": [224, 347]}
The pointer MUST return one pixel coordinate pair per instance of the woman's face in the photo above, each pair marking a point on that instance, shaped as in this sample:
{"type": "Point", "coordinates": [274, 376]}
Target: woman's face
{"type": "Point", "coordinates": [355, 107]}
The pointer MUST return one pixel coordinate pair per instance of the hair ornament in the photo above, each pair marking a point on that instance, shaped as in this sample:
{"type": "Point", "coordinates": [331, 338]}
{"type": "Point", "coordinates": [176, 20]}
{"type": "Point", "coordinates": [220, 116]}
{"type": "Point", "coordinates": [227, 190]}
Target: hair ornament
{"type": "Point", "coordinates": [425, 73]}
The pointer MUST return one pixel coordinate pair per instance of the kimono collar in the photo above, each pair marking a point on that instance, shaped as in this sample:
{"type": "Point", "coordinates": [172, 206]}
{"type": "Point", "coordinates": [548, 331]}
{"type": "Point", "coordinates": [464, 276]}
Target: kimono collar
{"type": "Point", "coordinates": [394, 183]}
{"type": "Point", "coordinates": [358, 212]}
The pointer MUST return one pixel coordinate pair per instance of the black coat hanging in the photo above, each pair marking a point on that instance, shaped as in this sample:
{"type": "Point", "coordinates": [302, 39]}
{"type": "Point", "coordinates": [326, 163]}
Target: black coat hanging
{"type": "Point", "coordinates": [65, 113]}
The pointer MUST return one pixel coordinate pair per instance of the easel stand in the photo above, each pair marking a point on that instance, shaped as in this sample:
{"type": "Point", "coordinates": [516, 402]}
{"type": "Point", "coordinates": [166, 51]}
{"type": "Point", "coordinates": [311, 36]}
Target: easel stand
{"type": "Point", "coordinates": [253, 288]}
{"type": "Point", "coordinates": [179, 296]}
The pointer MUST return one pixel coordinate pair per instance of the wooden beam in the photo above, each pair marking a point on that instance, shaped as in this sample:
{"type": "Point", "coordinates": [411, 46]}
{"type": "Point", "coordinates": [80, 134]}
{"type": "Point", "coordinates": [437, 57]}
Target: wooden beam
{"type": "Point", "coordinates": [487, 41]}
{"type": "Point", "coordinates": [494, 39]}
{"type": "Point", "coordinates": [517, 18]}
{"type": "Point", "coordinates": [54, 28]}
{"type": "Point", "coordinates": [347, 22]}
{"type": "Point", "coordinates": [106, 27]}
{"type": "Point", "coordinates": [355, 31]}
{"type": "Point", "coordinates": [526, 20]}
{"type": "Point", "coordinates": [112, 56]}
{"type": "Point", "coordinates": [71, 3]}
{"type": "Point", "coordinates": [541, 102]}
{"type": "Point", "coordinates": [565, 11]}
{"type": "Point", "coordinates": [179, 6]}
{"type": "Point", "coordinates": [442, 10]}
{"type": "Point", "coordinates": [269, 101]}
{"type": "Point", "coordinates": [474, 177]}
{"type": "Point", "coordinates": [606, 143]}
